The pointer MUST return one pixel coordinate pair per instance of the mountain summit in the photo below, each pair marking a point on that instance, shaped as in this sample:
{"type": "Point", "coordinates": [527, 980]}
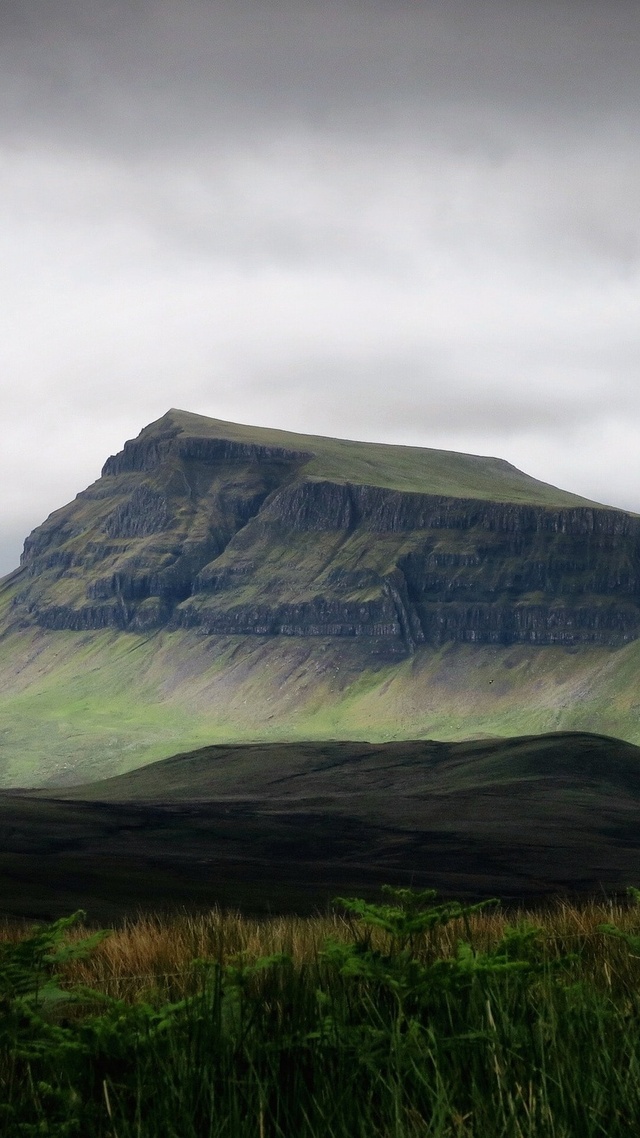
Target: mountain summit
{"type": "Point", "coordinates": [233, 530]}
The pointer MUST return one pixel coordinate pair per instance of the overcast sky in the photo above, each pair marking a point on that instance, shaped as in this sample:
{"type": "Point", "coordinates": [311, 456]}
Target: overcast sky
{"type": "Point", "coordinates": [411, 221]}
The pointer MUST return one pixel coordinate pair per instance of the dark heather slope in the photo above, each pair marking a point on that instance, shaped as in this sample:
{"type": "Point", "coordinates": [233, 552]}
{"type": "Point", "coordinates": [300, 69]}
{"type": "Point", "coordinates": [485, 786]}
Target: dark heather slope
{"type": "Point", "coordinates": [238, 530]}
{"type": "Point", "coordinates": [410, 769]}
{"type": "Point", "coordinates": [288, 826]}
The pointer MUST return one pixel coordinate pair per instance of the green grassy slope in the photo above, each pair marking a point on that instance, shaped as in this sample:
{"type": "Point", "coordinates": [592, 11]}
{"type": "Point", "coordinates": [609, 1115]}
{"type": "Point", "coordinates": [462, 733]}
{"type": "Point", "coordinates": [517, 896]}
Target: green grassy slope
{"type": "Point", "coordinates": [76, 706]}
{"type": "Point", "coordinates": [416, 469]}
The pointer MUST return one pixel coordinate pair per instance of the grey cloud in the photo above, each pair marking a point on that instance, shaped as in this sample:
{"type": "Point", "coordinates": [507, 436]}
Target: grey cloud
{"type": "Point", "coordinates": [156, 74]}
{"type": "Point", "coordinates": [411, 220]}
{"type": "Point", "coordinates": [419, 395]}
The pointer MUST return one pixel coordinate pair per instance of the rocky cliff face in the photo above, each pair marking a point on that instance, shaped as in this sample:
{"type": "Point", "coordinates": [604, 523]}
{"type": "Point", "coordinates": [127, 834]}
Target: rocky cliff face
{"type": "Point", "coordinates": [240, 536]}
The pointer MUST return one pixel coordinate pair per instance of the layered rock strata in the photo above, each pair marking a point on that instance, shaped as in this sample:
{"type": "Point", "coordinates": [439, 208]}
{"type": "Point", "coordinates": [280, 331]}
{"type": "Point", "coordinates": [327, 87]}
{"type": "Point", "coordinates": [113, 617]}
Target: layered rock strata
{"type": "Point", "coordinates": [189, 528]}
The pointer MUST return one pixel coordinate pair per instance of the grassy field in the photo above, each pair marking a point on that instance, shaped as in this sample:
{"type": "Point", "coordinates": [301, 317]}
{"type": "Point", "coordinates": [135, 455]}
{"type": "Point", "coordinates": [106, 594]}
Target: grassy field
{"type": "Point", "coordinates": [405, 1018]}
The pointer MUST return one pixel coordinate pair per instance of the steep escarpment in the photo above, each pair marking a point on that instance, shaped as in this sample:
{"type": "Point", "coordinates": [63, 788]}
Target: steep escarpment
{"type": "Point", "coordinates": [233, 531]}
{"type": "Point", "coordinates": [144, 454]}
{"type": "Point", "coordinates": [128, 549]}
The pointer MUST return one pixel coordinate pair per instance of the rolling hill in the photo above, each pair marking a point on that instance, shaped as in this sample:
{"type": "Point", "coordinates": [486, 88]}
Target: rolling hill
{"type": "Point", "coordinates": [286, 826]}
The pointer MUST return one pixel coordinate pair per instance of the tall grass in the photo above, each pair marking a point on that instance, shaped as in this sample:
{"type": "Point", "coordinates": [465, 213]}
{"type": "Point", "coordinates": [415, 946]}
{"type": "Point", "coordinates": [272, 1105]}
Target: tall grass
{"type": "Point", "coordinates": [156, 952]}
{"type": "Point", "coordinates": [400, 1020]}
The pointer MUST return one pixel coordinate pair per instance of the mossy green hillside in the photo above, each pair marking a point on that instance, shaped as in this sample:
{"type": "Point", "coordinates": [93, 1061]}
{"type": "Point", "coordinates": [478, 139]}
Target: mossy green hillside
{"type": "Point", "coordinates": [77, 706]}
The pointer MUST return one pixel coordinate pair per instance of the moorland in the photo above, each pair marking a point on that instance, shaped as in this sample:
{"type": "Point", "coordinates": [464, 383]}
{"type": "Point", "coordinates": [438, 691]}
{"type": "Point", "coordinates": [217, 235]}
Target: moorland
{"type": "Point", "coordinates": [284, 827]}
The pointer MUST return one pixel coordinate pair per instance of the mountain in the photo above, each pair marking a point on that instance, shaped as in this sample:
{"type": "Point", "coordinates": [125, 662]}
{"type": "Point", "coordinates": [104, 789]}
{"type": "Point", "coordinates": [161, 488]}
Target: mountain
{"type": "Point", "coordinates": [287, 826]}
{"type": "Point", "coordinates": [246, 531]}
{"type": "Point", "coordinates": [221, 582]}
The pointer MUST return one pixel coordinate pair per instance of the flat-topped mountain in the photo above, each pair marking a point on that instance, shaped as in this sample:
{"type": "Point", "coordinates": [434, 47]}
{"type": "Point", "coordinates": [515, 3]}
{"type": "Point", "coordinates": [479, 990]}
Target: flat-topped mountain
{"type": "Point", "coordinates": [230, 530]}
{"type": "Point", "coordinates": [222, 583]}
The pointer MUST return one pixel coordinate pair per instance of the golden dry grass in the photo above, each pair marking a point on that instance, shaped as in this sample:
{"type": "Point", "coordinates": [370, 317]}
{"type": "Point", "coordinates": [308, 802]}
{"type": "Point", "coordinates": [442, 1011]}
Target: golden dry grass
{"type": "Point", "coordinates": [153, 956]}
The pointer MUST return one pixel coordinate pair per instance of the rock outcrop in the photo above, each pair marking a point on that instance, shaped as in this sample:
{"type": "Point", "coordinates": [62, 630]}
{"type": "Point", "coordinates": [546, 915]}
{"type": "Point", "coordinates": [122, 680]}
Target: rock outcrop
{"type": "Point", "coordinates": [201, 524]}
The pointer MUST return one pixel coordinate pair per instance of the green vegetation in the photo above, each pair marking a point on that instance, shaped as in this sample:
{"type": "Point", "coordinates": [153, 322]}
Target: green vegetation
{"type": "Point", "coordinates": [76, 706]}
{"type": "Point", "coordinates": [415, 469]}
{"type": "Point", "coordinates": [408, 1019]}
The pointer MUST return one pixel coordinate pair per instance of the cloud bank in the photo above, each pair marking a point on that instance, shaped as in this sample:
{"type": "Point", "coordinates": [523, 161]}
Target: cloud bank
{"type": "Point", "coordinates": [403, 221]}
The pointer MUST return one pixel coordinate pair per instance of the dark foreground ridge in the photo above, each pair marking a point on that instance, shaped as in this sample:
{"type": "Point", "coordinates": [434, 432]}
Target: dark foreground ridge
{"type": "Point", "coordinates": [238, 530]}
{"type": "Point", "coordinates": [277, 827]}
